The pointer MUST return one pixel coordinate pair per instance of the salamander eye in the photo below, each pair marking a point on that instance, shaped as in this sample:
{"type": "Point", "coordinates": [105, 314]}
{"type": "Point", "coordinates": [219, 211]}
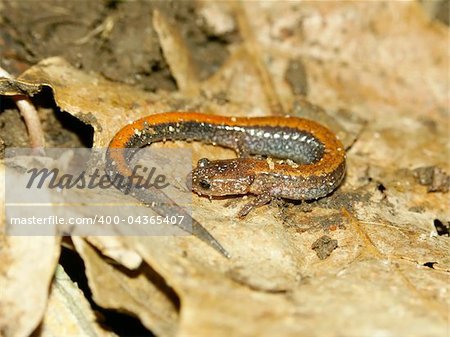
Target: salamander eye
{"type": "Point", "coordinates": [204, 184]}
{"type": "Point", "coordinates": [203, 162]}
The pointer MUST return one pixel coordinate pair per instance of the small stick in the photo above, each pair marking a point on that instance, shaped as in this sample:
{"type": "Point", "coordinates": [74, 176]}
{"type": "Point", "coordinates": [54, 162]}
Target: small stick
{"type": "Point", "coordinates": [253, 50]}
{"type": "Point", "coordinates": [31, 118]}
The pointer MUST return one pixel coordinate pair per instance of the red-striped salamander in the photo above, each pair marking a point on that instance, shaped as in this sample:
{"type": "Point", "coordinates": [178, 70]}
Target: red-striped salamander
{"type": "Point", "coordinates": [313, 165]}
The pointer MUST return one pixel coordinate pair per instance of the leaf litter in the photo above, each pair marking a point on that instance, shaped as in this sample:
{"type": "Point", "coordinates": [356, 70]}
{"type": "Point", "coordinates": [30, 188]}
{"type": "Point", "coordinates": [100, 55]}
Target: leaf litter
{"type": "Point", "coordinates": [375, 74]}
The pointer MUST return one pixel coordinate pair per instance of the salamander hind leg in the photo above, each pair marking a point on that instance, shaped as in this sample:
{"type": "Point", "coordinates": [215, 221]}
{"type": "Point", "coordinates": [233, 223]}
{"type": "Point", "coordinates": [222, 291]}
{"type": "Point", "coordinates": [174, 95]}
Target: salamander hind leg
{"type": "Point", "coordinates": [260, 200]}
{"type": "Point", "coordinates": [241, 148]}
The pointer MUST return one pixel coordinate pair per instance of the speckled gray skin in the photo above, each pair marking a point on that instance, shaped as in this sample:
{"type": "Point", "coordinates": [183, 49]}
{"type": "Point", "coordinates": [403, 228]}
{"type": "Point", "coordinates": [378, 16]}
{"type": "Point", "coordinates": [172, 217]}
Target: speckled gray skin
{"type": "Point", "coordinates": [280, 142]}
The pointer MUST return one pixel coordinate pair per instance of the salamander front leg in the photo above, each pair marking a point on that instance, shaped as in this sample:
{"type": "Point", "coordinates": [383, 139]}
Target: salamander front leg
{"type": "Point", "coordinates": [259, 201]}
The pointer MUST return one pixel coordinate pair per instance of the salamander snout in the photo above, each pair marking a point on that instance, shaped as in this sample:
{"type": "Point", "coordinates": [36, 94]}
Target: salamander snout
{"type": "Point", "coordinates": [220, 177]}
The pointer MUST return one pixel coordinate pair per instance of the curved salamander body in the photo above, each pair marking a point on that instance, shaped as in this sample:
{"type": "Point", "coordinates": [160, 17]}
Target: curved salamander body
{"type": "Point", "coordinates": [314, 162]}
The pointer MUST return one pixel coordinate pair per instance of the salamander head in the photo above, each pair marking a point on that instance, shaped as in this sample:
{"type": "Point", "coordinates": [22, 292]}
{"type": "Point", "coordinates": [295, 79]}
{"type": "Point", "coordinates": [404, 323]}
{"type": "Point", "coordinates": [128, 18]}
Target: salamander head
{"type": "Point", "coordinates": [221, 177]}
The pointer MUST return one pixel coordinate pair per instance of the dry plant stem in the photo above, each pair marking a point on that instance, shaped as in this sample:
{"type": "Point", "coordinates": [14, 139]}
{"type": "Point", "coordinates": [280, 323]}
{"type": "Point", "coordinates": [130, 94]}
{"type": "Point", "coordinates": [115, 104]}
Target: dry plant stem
{"type": "Point", "coordinates": [177, 55]}
{"type": "Point", "coordinates": [31, 118]}
{"type": "Point", "coordinates": [254, 52]}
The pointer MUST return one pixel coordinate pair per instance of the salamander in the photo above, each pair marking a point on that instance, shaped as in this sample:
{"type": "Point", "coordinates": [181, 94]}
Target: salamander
{"type": "Point", "coordinates": [310, 165]}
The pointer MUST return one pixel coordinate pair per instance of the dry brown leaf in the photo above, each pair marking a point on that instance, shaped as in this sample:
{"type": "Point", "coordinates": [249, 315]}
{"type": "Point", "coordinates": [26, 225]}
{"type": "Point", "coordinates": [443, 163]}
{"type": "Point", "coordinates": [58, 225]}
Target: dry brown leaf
{"type": "Point", "coordinates": [141, 292]}
{"type": "Point", "coordinates": [68, 312]}
{"type": "Point", "coordinates": [114, 248]}
{"type": "Point", "coordinates": [26, 270]}
{"type": "Point", "coordinates": [380, 71]}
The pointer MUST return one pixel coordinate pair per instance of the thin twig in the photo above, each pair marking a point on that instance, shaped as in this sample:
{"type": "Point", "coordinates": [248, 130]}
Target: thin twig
{"type": "Point", "coordinates": [31, 118]}
{"type": "Point", "coordinates": [254, 52]}
{"type": "Point", "coordinates": [177, 55]}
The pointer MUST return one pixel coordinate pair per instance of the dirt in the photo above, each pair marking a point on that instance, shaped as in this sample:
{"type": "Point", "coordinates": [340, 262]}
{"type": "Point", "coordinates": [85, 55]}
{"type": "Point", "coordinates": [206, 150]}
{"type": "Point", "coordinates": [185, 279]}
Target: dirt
{"type": "Point", "coordinates": [296, 77]}
{"type": "Point", "coordinates": [433, 177]}
{"type": "Point", "coordinates": [324, 246]}
{"type": "Point", "coordinates": [113, 38]}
